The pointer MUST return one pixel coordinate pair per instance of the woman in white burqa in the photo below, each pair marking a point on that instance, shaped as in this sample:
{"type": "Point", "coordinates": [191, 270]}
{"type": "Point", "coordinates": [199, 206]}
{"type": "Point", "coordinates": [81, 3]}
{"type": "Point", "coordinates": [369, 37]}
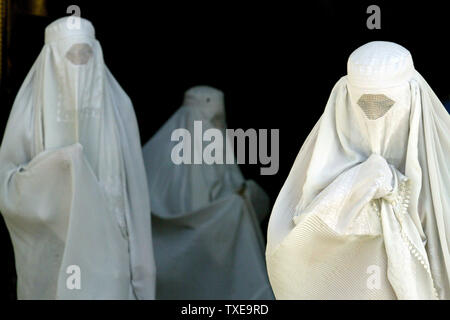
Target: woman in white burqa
{"type": "Point", "coordinates": [208, 242]}
{"type": "Point", "coordinates": [364, 213]}
{"type": "Point", "coordinates": [72, 180]}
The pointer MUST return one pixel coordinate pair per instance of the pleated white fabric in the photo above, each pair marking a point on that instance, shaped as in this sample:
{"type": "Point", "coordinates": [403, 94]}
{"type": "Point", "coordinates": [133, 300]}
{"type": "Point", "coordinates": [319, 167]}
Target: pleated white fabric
{"type": "Point", "coordinates": [208, 242]}
{"type": "Point", "coordinates": [73, 190]}
{"type": "Point", "coordinates": [363, 213]}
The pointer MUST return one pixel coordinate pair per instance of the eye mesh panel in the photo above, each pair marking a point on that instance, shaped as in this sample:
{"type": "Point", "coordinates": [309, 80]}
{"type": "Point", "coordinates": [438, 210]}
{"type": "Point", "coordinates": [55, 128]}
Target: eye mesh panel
{"type": "Point", "coordinates": [79, 53]}
{"type": "Point", "coordinates": [375, 105]}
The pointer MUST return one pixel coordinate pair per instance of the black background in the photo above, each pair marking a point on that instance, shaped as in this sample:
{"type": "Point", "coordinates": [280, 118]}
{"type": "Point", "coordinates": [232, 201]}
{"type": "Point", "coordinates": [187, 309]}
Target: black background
{"type": "Point", "coordinates": [276, 62]}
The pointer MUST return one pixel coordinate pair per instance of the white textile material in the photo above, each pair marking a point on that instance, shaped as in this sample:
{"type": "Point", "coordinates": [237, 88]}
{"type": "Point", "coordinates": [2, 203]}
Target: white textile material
{"type": "Point", "coordinates": [73, 190]}
{"type": "Point", "coordinates": [364, 212]}
{"type": "Point", "coordinates": [208, 242]}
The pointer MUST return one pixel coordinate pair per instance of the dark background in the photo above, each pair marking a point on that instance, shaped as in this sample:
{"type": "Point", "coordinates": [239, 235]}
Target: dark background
{"type": "Point", "coordinates": [276, 62]}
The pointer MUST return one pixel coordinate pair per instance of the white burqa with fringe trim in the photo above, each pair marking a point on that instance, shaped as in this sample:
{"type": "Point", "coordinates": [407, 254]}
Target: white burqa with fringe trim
{"type": "Point", "coordinates": [364, 212]}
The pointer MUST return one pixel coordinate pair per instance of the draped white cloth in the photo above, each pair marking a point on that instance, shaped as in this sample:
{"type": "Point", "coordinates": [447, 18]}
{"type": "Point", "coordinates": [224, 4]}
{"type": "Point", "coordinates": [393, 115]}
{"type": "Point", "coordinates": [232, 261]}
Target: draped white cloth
{"type": "Point", "coordinates": [364, 212]}
{"type": "Point", "coordinates": [73, 190]}
{"type": "Point", "coordinates": [208, 242]}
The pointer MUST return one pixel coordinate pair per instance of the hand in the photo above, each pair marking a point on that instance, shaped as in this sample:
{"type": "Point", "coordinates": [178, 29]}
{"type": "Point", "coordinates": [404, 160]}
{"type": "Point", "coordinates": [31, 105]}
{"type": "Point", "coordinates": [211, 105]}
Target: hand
{"type": "Point", "coordinates": [377, 169]}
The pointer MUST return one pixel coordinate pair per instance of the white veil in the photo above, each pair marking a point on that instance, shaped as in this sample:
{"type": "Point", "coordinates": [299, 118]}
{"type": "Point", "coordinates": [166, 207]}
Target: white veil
{"type": "Point", "coordinates": [202, 183]}
{"type": "Point", "coordinates": [208, 242]}
{"type": "Point", "coordinates": [72, 180]}
{"type": "Point", "coordinates": [409, 128]}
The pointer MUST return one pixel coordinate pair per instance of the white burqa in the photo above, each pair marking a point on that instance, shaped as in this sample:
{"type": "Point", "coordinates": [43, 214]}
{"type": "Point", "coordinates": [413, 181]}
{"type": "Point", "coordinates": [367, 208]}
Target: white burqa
{"type": "Point", "coordinates": [73, 190]}
{"type": "Point", "coordinates": [364, 212]}
{"type": "Point", "coordinates": [208, 242]}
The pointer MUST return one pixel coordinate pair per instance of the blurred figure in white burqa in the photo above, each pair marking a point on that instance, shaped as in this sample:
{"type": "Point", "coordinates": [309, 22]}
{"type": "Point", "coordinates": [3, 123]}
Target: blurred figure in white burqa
{"type": "Point", "coordinates": [206, 217]}
{"type": "Point", "coordinates": [365, 210]}
{"type": "Point", "coordinates": [73, 190]}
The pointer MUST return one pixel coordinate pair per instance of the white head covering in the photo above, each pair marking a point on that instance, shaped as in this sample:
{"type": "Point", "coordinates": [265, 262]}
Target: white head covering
{"type": "Point", "coordinates": [73, 188]}
{"type": "Point", "coordinates": [205, 215]}
{"type": "Point", "coordinates": [201, 183]}
{"type": "Point", "coordinates": [383, 107]}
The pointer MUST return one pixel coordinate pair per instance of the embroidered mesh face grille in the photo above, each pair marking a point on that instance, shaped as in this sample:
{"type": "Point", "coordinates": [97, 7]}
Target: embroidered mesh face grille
{"type": "Point", "coordinates": [375, 105]}
{"type": "Point", "coordinates": [79, 53]}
